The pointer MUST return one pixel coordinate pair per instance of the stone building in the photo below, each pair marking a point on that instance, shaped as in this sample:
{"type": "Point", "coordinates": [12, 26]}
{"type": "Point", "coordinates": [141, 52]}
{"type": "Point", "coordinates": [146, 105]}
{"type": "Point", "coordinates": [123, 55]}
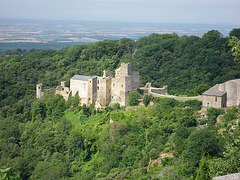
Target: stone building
{"type": "Point", "coordinates": [222, 95]}
{"type": "Point", "coordinates": [100, 91]}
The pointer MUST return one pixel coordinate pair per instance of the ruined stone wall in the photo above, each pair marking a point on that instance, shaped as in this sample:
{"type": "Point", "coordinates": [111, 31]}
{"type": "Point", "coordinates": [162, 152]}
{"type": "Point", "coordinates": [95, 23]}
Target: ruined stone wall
{"type": "Point", "coordinates": [79, 88]}
{"type": "Point", "coordinates": [124, 70]}
{"type": "Point", "coordinates": [159, 90]}
{"type": "Point", "coordinates": [118, 91]}
{"type": "Point", "coordinates": [92, 91]}
{"type": "Point", "coordinates": [65, 92]}
{"type": "Point", "coordinates": [39, 91]}
{"type": "Point", "coordinates": [100, 91]}
{"type": "Point", "coordinates": [126, 81]}
{"type": "Point", "coordinates": [104, 91]}
{"type": "Point", "coordinates": [135, 81]}
{"type": "Point", "coordinates": [148, 89]}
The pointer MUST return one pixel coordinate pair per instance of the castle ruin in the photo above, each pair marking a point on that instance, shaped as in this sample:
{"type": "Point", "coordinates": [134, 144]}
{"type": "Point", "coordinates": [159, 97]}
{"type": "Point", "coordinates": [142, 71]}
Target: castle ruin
{"type": "Point", "coordinates": [100, 91]}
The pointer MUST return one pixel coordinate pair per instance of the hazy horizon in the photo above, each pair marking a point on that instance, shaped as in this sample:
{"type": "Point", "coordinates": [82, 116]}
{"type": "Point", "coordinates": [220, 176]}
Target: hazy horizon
{"type": "Point", "coordinates": [135, 11]}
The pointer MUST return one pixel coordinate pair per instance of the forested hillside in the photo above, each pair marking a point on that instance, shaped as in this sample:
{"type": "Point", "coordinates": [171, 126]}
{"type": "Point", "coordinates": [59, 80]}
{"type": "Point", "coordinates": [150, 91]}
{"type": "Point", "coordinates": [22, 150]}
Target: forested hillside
{"type": "Point", "coordinates": [54, 139]}
{"type": "Point", "coordinates": [182, 63]}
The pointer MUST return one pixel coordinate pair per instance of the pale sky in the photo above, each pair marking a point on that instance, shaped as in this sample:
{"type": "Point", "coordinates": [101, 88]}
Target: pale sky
{"type": "Point", "coordinates": [154, 11]}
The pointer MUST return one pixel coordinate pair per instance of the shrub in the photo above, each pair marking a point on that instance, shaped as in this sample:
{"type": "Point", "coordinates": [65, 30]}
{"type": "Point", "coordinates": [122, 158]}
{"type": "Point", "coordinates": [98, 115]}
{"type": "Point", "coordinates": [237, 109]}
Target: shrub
{"type": "Point", "coordinates": [133, 98]}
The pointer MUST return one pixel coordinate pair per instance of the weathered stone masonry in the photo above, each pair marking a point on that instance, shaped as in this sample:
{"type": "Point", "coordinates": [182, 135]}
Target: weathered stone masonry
{"type": "Point", "coordinates": [100, 91]}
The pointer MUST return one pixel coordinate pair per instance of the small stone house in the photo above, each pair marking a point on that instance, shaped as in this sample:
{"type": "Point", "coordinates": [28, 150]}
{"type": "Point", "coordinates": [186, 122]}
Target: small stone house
{"type": "Point", "coordinates": [222, 95]}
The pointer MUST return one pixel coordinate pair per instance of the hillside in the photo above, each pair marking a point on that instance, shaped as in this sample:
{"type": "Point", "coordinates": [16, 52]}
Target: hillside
{"type": "Point", "coordinates": [53, 139]}
{"type": "Point", "coordinates": [182, 63]}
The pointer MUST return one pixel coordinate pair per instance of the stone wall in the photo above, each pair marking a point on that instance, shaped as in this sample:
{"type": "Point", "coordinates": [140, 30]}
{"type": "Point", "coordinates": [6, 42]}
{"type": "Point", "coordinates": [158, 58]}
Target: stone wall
{"type": "Point", "coordinates": [148, 89]}
{"type": "Point", "coordinates": [214, 101]}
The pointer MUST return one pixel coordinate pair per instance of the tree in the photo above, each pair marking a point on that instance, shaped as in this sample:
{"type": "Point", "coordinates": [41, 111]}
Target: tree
{"type": "Point", "coordinates": [146, 99]}
{"type": "Point", "coordinates": [202, 141]}
{"type": "Point", "coordinates": [133, 98]}
{"type": "Point", "coordinates": [203, 170]}
{"type": "Point", "coordinates": [201, 89]}
{"type": "Point", "coordinates": [235, 32]}
{"type": "Point", "coordinates": [235, 43]}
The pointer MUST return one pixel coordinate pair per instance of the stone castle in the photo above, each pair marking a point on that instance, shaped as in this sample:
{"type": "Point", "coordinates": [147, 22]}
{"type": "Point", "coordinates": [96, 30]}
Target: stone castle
{"type": "Point", "coordinates": [100, 91]}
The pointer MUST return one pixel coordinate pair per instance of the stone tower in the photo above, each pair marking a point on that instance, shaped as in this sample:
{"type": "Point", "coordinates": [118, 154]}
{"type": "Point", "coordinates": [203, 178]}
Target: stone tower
{"type": "Point", "coordinates": [39, 91]}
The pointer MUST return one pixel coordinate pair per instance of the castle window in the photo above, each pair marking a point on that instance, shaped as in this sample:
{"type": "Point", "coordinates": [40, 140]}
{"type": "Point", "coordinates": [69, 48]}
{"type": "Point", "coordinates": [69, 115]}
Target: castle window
{"type": "Point", "coordinates": [89, 99]}
{"type": "Point", "coordinates": [97, 88]}
{"type": "Point", "coordinates": [98, 81]}
{"type": "Point", "coordinates": [39, 87]}
{"type": "Point", "coordinates": [90, 81]}
{"type": "Point", "coordinates": [216, 99]}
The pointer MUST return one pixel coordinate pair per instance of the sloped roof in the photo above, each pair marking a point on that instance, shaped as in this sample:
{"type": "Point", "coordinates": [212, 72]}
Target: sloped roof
{"type": "Point", "coordinates": [214, 91]}
{"type": "Point", "coordinates": [82, 78]}
{"type": "Point", "coordinates": [236, 80]}
{"type": "Point", "coordinates": [234, 176]}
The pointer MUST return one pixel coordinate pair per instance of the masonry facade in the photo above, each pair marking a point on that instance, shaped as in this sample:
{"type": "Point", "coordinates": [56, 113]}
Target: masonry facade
{"type": "Point", "coordinates": [222, 95]}
{"type": "Point", "coordinates": [100, 91]}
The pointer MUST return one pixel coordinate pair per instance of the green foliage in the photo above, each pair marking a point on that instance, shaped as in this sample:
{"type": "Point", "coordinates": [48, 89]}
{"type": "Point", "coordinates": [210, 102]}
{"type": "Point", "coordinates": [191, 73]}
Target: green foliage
{"type": "Point", "coordinates": [133, 98]}
{"type": "Point", "coordinates": [72, 102]}
{"type": "Point", "coordinates": [5, 174]}
{"type": "Point", "coordinates": [116, 106]}
{"type": "Point", "coordinates": [201, 89]}
{"type": "Point", "coordinates": [235, 32]}
{"type": "Point", "coordinates": [235, 43]}
{"type": "Point", "coordinates": [203, 170]}
{"type": "Point", "coordinates": [212, 114]}
{"type": "Point", "coordinates": [194, 104]}
{"type": "Point", "coordinates": [147, 99]}
{"type": "Point", "coordinates": [53, 139]}
{"type": "Point", "coordinates": [202, 141]}
{"type": "Point", "coordinates": [140, 91]}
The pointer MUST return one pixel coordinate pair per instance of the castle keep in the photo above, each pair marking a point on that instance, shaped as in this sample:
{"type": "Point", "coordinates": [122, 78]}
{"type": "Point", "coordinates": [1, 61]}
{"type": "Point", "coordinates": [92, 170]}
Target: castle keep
{"type": "Point", "coordinates": [100, 91]}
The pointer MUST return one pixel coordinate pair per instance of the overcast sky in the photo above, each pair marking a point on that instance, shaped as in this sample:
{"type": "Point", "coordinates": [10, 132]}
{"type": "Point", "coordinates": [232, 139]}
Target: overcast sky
{"type": "Point", "coordinates": [157, 11]}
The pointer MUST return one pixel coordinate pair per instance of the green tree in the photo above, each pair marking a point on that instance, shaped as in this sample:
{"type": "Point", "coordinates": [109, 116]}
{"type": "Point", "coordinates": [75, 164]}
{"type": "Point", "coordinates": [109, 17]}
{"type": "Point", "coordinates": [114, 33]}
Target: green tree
{"type": "Point", "coordinates": [202, 141]}
{"type": "Point", "coordinates": [201, 89]}
{"type": "Point", "coordinates": [203, 170]}
{"type": "Point", "coordinates": [147, 99]}
{"type": "Point", "coordinates": [235, 43]}
{"type": "Point", "coordinates": [133, 98]}
{"type": "Point", "coordinates": [235, 32]}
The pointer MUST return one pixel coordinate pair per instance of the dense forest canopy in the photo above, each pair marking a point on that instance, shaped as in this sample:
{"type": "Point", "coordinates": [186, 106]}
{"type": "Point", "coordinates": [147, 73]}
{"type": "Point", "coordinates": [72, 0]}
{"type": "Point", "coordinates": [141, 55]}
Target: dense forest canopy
{"type": "Point", "coordinates": [53, 139]}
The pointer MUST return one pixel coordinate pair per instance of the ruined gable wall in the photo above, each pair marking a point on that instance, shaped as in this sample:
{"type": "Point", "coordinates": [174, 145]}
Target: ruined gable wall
{"type": "Point", "coordinates": [79, 88]}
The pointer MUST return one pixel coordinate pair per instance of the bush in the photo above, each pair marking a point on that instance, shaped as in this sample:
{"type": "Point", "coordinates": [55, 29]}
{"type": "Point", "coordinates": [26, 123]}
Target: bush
{"type": "Point", "coordinates": [133, 99]}
{"type": "Point", "coordinates": [194, 104]}
{"type": "Point", "coordinates": [202, 122]}
{"type": "Point", "coordinates": [140, 91]}
{"type": "Point", "coordinates": [147, 100]}
{"type": "Point", "coordinates": [116, 106]}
